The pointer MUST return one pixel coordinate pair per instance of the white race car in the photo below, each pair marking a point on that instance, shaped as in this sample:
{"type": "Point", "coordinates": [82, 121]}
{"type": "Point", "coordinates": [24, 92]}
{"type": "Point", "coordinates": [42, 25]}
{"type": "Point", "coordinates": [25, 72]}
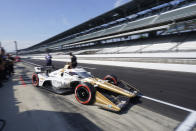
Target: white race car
{"type": "Point", "coordinates": [109, 93]}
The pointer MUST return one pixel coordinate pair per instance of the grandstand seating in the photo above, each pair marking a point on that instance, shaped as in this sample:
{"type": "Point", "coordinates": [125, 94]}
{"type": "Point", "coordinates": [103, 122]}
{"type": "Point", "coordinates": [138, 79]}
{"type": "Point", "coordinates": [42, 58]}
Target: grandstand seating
{"type": "Point", "coordinates": [171, 43]}
{"type": "Point", "coordinates": [185, 42]}
{"type": "Point", "coordinates": [140, 22]}
{"type": "Point", "coordinates": [155, 19]}
{"type": "Point", "coordinates": [132, 49]}
{"type": "Point", "coordinates": [189, 45]}
{"type": "Point", "coordinates": [177, 13]}
{"type": "Point", "coordinates": [110, 50]}
{"type": "Point", "coordinates": [160, 47]}
{"type": "Point", "coordinates": [113, 29]}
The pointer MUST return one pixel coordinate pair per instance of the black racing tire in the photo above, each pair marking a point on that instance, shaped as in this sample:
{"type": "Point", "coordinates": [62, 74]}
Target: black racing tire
{"type": "Point", "coordinates": [35, 80]}
{"type": "Point", "coordinates": [112, 79]}
{"type": "Point", "coordinates": [85, 93]}
{"type": "Point", "coordinates": [2, 124]}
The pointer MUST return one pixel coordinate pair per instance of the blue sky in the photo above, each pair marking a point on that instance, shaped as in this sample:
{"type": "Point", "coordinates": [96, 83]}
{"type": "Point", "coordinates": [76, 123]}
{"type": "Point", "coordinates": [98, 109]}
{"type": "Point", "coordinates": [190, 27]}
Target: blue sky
{"type": "Point", "coordinates": [32, 21]}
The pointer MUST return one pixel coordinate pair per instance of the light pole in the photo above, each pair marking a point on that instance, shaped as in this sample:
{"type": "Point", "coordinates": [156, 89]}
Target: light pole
{"type": "Point", "coordinates": [16, 47]}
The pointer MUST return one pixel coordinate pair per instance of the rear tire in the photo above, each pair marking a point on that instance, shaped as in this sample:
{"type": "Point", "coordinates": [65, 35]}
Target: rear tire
{"type": "Point", "coordinates": [112, 79]}
{"type": "Point", "coordinates": [85, 93]}
{"type": "Point", "coordinates": [35, 80]}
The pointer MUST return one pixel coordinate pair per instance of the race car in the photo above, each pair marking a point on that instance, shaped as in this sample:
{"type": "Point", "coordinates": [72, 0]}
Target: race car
{"type": "Point", "coordinates": [108, 93]}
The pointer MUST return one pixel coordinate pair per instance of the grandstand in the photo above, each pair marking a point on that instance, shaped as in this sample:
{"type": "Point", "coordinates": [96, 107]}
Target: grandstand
{"type": "Point", "coordinates": [169, 43]}
{"type": "Point", "coordinates": [138, 26]}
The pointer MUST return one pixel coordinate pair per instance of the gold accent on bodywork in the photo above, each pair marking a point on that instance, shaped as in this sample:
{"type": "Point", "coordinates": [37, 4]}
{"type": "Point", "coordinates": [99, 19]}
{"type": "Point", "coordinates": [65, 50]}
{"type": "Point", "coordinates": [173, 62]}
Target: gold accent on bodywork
{"type": "Point", "coordinates": [62, 70]}
{"type": "Point", "coordinates": [107, 86]}
{"type": "Point", "coordinates": [104, 102]}
{"type": "Point", "coordinates": [42, 79]}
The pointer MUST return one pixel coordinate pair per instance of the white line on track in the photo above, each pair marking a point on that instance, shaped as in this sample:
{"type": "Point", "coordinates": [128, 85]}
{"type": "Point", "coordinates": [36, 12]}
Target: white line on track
{"type": "Point", "coordinates": [187, 125]}
{"type": "Point", "coordinates": [169, 104]}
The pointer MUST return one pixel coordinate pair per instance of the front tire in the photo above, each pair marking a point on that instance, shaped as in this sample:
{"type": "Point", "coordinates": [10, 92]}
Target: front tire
{"type": "Point", "coordinates": [85, 93]}
{"type": "Point", "coordinates": [112, 79]}
{"type": "Point", "coordinates": [35, 80]}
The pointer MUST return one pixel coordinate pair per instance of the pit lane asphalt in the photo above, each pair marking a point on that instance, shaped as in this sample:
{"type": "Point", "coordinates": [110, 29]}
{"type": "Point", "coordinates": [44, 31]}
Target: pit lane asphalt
{"type": "Point", "coordinates": [173, 87]}
{"type": "Point", "coordinates": [25, 107]}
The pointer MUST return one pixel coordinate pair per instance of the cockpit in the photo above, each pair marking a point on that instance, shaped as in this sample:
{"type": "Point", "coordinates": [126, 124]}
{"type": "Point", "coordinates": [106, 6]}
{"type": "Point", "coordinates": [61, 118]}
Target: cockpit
{"type": "Point", "coordinates": [81, 74]}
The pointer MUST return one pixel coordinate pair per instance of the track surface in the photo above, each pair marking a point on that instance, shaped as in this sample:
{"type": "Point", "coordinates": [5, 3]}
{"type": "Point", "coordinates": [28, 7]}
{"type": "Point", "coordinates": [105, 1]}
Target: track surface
{"type": "Point", "coordinates": [173, 87]}
{"type": "Point", "coordinates": [35, 109]}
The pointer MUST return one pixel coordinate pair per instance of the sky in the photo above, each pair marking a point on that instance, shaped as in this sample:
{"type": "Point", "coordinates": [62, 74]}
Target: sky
{"type": "Point", "coordinates": [31, 21]}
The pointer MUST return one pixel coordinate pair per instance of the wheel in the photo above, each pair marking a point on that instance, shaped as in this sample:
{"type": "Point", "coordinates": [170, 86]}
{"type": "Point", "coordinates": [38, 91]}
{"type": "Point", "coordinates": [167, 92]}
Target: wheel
{"type": "Point", "coordinates": [85, 93]}
{"type": "Point", "coordinates": [112, 79]}
{"type": "Point", "coordinates": [35, 80]}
